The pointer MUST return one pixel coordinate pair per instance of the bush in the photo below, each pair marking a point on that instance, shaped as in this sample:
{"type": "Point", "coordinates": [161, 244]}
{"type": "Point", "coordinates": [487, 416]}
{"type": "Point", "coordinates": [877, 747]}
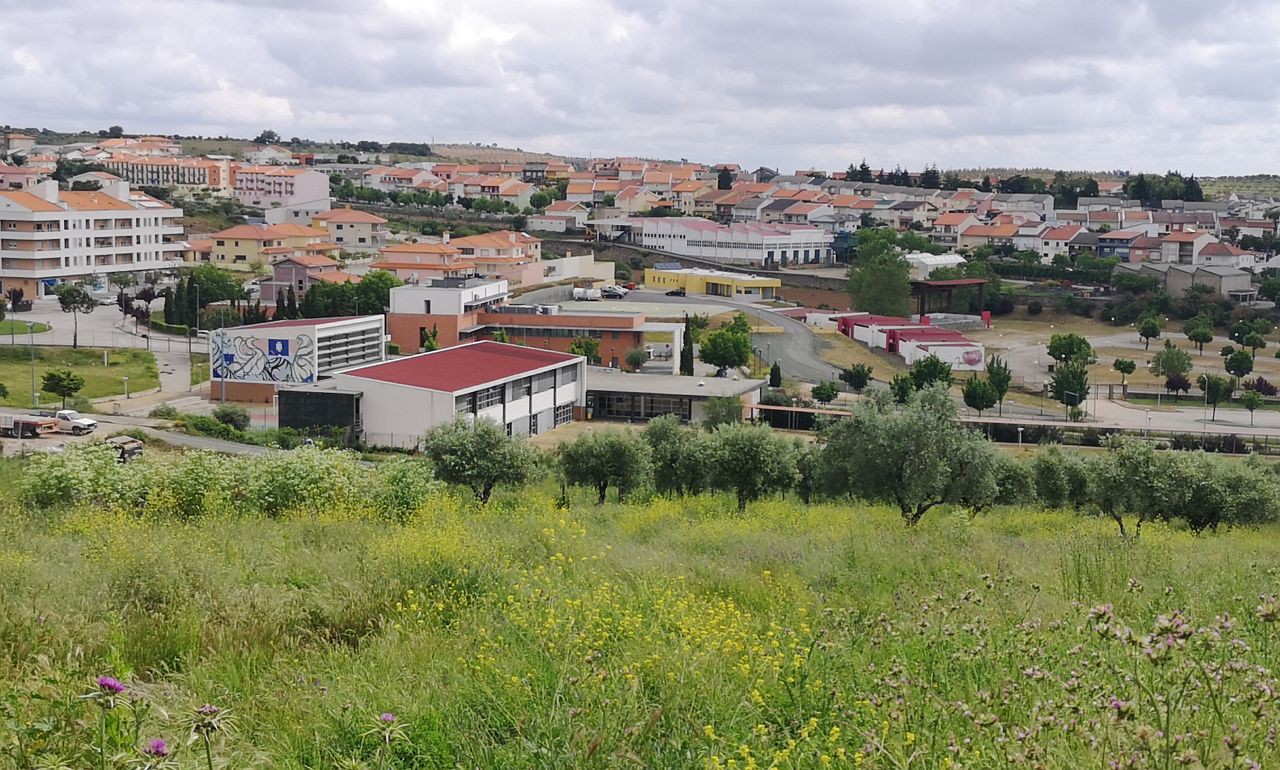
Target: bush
{"type": "Point", "coordinates": [164, 412]}
{"type": "Point", "coordinates": [232, 414]}
{"type": "Point", "coordinates": [178, 329]}
{"type": "Point", "coordinates": [393, 349]}
{"type": "Point", "coordinates": [1035, 307]}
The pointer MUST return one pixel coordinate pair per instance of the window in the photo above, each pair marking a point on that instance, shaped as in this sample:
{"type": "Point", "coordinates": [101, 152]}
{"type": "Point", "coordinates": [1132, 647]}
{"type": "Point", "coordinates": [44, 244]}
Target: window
{"type": "Point", "coordinates": [563, 414]}
{"type": "Point", "coordinates": [568, 374]}
{"type": "Point", "coordinates": [489, 397]}
{"type": "Point", "coordinates": [426, 306]}
{"type": "Point", "coordinates": [533, 425]}
{"type": "Point", "coordinates": [463, 403]}
{"type": "Point", "coordinates": [518, 389]}
{"type": "Point", "coordinates": [222, 243]}
{"type": "Point", "coordinates": [543, 382]}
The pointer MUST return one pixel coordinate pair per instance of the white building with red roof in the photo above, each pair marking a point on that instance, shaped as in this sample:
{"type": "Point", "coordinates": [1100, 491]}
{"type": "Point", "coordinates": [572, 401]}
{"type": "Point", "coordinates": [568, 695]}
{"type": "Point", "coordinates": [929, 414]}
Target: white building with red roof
{"type": "Point", "coordinates": [525, 390]}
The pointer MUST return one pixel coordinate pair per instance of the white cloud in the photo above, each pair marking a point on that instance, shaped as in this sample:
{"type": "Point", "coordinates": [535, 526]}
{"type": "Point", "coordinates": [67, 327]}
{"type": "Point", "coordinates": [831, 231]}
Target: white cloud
{"type": "Point", "coordinates": [1090, 84]}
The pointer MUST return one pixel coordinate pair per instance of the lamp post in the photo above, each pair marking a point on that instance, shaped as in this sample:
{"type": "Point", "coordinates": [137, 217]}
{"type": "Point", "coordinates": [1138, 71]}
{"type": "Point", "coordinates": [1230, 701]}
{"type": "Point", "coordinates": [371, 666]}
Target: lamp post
{"type": "Point", "coordinates": [1148, 423]}
{"type": "Point", "coordinates": [1020, 435]}
{"type": "Point", "coordinates": [126, 388]}
{"type": "Point", "coordinates": [35, 394]}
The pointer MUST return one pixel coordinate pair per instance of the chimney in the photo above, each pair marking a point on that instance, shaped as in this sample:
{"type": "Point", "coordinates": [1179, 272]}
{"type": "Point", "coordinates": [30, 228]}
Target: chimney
{"type": "Point", "coordinates": [48, 189]}
{"type": "Point", "coordinates": [445, 238]}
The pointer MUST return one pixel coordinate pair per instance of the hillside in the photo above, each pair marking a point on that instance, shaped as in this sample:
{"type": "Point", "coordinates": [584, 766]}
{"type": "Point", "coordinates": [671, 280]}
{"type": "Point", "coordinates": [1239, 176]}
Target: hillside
{"type": "Point", "coordinates": [477, 153]}
{"type": "Point", "coordinates": [333, 618]}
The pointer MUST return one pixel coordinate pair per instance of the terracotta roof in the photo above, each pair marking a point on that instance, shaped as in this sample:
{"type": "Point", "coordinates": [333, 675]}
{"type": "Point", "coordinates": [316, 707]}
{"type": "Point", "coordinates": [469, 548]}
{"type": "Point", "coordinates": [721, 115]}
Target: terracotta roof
{"type": "Point", "coordinates": [201, 246]}
{"type": "Point", "coordinates": [391, 264]}
{"type": "Point", "coordinates": [951, 219]}
{"type": "Point", "coordinates": [463, 367]}
{"type": "Point", "coordinates": [1061, 233]}
{"type": "Point", "coordinates": [266, 232]}
{"type": "Point", "coordinates": [566, 206]}
{"type": "Point", "coordinates": [1186, 236]}
{"type": "Point", "coordinates": [310, 260]}
{"type": "Point", "coordinates": [350, 216]}
{"type": "Point", "coordinates": [421, 248]}
{"type": "Point", "coordinates": [92, 201]}
{"type": "Point", "coordinates": [502, 239]}
{"type": "Point", "coordinates": [29, 201]}
{"type": "Point", "coordinates": [335, 276]}
{"type": "Point", "coordinates": [990, 231]}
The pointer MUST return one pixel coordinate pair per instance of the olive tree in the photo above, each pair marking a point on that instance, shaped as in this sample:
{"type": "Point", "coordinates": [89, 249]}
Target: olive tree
{"type": "Point", "coordinates": [606, 459]}
{"type": "Point", "coordinates": [680, 456]}
{"type": "Point", "coordinates": [915, 456]}
{"type": "Point", "coordinates": [479, 455]}
{"type": "Point", "coordinates": [752, 461]}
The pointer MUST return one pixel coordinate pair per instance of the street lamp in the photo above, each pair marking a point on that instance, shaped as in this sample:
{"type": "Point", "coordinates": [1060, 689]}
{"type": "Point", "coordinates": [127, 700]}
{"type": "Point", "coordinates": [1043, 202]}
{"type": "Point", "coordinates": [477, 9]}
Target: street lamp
{"type": "Point", "coordinates": [1148, 422]}
{"type": "Point", "coordinates": [1020, 435]}
{"type": "Point", "coordinates": [35, 394]}
{"type": "Point", "coordinates": [126, 388]}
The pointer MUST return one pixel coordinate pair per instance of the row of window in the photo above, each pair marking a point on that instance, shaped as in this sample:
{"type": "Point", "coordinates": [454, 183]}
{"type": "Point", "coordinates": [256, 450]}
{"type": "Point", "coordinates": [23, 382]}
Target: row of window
{"type": "Point", "coordinates": [515, 390]}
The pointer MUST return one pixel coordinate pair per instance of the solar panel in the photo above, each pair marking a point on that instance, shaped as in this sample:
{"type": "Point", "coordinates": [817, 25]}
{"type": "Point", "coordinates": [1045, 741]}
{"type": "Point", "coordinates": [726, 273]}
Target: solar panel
{"type": "Point", "coordinates": [668, 266]}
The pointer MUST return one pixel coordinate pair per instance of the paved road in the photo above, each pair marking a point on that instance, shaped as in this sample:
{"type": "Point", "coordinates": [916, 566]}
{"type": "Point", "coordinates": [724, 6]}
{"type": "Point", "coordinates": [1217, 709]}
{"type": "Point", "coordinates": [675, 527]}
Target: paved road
{"type": "Point", "coordinates": [795, 348]}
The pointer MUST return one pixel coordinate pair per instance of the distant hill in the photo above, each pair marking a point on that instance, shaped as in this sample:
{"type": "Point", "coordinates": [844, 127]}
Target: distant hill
{"type": "Point", "coordinates": [481, 153]}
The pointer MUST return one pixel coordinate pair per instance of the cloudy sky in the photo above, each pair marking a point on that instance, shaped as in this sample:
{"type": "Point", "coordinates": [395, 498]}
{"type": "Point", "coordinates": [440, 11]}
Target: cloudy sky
{"type": "Point", "coordinates": [1087, 84]}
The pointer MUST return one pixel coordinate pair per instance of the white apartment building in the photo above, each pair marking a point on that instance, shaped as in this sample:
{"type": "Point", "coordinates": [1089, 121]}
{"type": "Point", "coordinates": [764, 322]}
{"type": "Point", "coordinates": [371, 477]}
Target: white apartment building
{"type": "Point", "coordinates": [271, 186]}
{"type": "Point", "coordinates": [740, 243]}
{"type": "Point", "coordinates": [49, 236]}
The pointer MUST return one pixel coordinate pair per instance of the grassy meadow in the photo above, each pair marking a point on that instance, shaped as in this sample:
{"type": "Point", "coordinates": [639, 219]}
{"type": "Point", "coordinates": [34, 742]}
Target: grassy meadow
{"type": "Point", "coordinates": [653, 633]}
{"type": "Point", "coordinates": [99, 381]}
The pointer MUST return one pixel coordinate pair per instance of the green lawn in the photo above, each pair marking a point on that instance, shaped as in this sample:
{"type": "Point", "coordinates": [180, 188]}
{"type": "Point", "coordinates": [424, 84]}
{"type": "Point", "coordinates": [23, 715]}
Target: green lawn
{"type": "Point", "coordinates": [100, 381]}
{"type": "Point", "coordinates": [11, 326]}
{"type": "Point", "coordinates": [199, 368]}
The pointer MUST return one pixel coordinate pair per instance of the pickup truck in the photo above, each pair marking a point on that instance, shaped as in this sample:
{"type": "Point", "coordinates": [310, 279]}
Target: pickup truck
{"type": "Point", "coordinates": [26, 425]}
{"type": "Point", "coordinates": [71, 421]}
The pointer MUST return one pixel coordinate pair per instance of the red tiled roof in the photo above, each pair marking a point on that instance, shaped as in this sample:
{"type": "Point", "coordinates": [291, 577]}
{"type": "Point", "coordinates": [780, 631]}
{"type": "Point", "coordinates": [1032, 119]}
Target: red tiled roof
{"type": "Point", "coordinates": [463, 367]}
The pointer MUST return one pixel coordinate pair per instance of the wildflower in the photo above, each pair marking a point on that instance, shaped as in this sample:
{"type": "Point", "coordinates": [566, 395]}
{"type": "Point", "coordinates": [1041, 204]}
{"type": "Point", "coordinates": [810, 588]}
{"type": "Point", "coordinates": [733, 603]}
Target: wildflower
{"type": "Point", "coordinates": [156, 749]}
{"type": "Point", "coordinates": [387, 717]}
{"type": "Point", "coordinates": [1269, 610]}
{"type": "Point", "coordinates": [110, 685]}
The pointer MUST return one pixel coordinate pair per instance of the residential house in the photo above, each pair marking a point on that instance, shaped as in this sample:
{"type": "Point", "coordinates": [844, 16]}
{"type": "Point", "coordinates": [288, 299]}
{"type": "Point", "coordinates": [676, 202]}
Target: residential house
{"type": "Point", "coordinates": [18, 177]}
{"type": "Point", "coordinates": [142, 145]}
{"type": "Point", "coordinates": [300, 272]}
{"type": "Point", "coordinates": [1230, 282]}
{"type": "Point", "coordinates": [15, 143]}
{"type": "Point", "coordinates": [634, 199]}
{"type": "Point", "coordinates": [352, 229]}
{"type": "Point", "coordinates": [750, 209]}
{"type": "Point", "coordinates": [188, 174]}
{"type": "Point", "coordinates": [946, 228]}
{"type": "Point", "coordinates": [1117, 242]}
{"type": "Point", "coordinates": [974, 236]}
{"type": "Point", "coordinates": [571, 209]}
{"type": "Point", "coordinates": [395, 178]}
{"type": "Point", "coordinates": [419, 263]}
{"type": "Point", "coordinates": [1055, 240]}
{"type": "Point", "coordinates": [1083, 243]}
{"type": "Point", "coordinates": [505, 254]}
{"type": "Point", "coordinates": [1184, 247]}
{"type": "Point", "coordinates": [684, 195]}
{"type": "Point", "coordinates": [244, 247]}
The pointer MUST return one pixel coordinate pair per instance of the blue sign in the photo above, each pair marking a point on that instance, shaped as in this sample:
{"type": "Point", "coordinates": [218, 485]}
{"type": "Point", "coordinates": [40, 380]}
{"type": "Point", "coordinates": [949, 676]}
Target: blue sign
{"type": "Point", "coordinates": [228, 358]}
{"type": "Point", "coordinates": [278, 348]}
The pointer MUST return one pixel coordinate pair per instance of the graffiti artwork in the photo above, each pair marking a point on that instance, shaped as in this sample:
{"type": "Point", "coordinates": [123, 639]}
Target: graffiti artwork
{"type": "Point", "coordinates": [261, 359]}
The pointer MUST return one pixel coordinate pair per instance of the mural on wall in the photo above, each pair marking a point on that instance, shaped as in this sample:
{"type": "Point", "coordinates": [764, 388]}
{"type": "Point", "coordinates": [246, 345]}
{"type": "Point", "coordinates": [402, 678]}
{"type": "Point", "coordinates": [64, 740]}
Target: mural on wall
{"type": "Point", "coordinates": [263, 359]}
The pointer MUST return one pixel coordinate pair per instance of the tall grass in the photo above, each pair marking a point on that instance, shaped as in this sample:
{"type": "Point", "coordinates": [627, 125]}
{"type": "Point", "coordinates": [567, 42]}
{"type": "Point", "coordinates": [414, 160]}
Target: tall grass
{"type": "Point", "coordinates": [652, 634]}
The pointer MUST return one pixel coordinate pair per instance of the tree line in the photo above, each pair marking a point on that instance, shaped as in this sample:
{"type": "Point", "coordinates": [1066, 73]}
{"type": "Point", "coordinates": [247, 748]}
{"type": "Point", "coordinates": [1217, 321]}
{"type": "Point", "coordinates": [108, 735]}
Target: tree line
{"type": "Point", "coordinates": [914, 456]}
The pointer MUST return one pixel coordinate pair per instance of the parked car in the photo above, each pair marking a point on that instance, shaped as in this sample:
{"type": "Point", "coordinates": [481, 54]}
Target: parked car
{"type": "Point", "coordinates": [589, 295]}
{"type": "Point", "coordinates": [71, 421]}
{"type": "Point", "coordinates": [676, 293]}
{"type": "Point", "coordinates": [613, 292]}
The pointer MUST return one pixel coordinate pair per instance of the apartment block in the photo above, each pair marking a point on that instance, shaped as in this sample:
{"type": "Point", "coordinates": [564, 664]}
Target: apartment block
{"type": "Point", "coordinates": [50, 236]}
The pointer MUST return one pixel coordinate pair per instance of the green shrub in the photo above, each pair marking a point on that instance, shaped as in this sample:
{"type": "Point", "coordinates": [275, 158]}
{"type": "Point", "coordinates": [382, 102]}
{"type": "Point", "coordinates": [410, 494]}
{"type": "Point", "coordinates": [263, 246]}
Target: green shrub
{"type": "Point", "coordinates": [232, 414]}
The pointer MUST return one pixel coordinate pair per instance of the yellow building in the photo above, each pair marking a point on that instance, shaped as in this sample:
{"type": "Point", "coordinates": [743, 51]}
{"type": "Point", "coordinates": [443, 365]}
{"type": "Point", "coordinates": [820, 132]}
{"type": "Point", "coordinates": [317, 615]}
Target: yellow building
{"type": "Point", "coordinates": [244, 246]}
{"type": "Point", "coordinates": [712, 283]}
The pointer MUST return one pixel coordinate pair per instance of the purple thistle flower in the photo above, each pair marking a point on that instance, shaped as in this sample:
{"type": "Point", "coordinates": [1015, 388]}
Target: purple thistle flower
{"type": "Point", "coordinates": [387, 717]}
{"type": "Point", "coordinates": [110, 685]}
{"type": "Point", "coordinates": [208, 710]}
{"type": "Point", "coordinates": [156, 748]}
